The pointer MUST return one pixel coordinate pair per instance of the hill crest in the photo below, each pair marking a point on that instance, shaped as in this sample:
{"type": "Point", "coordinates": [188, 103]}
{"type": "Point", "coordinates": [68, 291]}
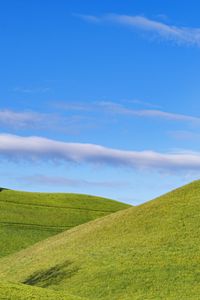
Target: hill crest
{"type": "Point", "coordinates": [144, 252]}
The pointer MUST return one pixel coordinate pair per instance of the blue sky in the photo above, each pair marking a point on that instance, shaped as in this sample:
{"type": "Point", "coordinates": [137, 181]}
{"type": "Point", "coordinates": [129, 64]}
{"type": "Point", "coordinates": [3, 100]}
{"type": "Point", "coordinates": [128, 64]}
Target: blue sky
{"type": "Point", "coordinates": [99, 97]}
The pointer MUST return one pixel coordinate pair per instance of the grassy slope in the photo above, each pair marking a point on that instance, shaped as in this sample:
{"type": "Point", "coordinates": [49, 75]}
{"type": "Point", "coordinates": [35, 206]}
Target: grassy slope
{"type": "Point", "coordinates": [13, 291]}
{"type": "Point", "coordinates": [26, 218]}
{"type": "Point", "coordinates": [146, 252]}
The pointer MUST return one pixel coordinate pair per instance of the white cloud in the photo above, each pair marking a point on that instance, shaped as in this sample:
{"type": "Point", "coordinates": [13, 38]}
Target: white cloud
{"type": "Point", "coordinates": [178, 34]}
{"type": "Point", "coordinates": [18, 148]}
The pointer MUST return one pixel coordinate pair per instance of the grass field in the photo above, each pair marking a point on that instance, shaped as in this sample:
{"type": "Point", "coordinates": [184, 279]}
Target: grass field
{"type": "Point", "coordinates": [147, 252]}
{"type": "Point", "coordinates": [26, 218]}
{"type": "Point", "coordinates": [13, 291]}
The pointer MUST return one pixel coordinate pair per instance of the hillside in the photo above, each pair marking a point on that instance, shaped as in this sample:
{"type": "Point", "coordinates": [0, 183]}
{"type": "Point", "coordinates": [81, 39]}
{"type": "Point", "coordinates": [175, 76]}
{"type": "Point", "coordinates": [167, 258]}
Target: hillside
{"type": "Point", "coordinates": [13, 291]}
{"type": "Point", "coordinates": [146, 252]}
{"type": "Point", "coordinates": [26, 218]}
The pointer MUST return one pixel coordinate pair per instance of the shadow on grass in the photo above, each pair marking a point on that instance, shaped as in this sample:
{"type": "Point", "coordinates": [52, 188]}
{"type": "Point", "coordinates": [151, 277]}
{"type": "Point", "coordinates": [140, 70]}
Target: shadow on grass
{"type": "Point", "coordinates": [52, 276]}
{"type": "Point", "coordinates": [3, 189]}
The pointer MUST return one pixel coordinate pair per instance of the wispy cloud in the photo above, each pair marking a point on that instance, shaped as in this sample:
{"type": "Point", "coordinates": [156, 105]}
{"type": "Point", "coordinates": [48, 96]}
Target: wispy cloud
{"type": "Point", "coordinates": [72, 124]}
{"type": "Point", "coordinates": [70, 182]}
{"type": "Point", "coordinates": [18, 148]}
{"type": "Point", "coordinates": [21, 119]}
{"type": "Point", "coordinates": [120, 109]}
{"type": "Point", "coordinates": [90, 18]}
{"type": "Point", "coordinates": [75, 106]}
{"type": "Point", "coordinates": [177, 34]}
{"type": "Point", "coordinates": [142, 103]}
{"type": "Point", "coordinates": [163, 115]}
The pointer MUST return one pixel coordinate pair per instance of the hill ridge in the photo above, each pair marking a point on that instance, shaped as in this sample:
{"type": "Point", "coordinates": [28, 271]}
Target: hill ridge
{"type": "Point", "coordinates": [144, 252]}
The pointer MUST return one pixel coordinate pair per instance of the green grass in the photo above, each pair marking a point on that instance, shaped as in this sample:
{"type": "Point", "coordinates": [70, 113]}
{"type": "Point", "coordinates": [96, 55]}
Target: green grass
{"type": "Point", "coordinates": [13, 291]}
{"type": "Point", "coordinates": [26, 218]}
{"type": "Point", "coordinates": [147, 252]}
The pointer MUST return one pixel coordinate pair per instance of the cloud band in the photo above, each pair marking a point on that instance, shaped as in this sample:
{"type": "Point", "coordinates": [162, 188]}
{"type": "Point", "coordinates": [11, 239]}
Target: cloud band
{"type": "Point", "coordinates": [19, 148]}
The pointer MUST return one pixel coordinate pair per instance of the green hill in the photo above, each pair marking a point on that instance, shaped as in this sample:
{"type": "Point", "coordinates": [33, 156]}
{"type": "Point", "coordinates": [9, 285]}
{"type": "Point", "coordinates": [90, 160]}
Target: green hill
{"type": "Point", "coordinates": [13, 291]}
{"type": "Point", "coordinates": [147, 252]}
{"type": "Point", "coordinates": [26, 218]}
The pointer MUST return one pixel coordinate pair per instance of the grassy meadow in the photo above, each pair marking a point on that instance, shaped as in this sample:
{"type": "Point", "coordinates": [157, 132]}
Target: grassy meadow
{"type": "Point", "coordinates": [151, 251]}
{"type": "Point", "coordinates": [26, 218]}
{"type": "Point", "coordinates": [14, 291]}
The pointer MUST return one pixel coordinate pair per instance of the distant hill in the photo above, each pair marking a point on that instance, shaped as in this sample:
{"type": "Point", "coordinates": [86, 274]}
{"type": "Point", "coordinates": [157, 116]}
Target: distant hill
{"type": "Point", "coordinates": [145, 252]}
{"type": "Point", "coordinates": [26, 218]}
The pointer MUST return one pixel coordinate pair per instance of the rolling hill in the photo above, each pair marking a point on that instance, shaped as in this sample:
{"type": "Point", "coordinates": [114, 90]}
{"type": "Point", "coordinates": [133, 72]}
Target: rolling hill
{"type": "Point", "coordinates": [26, 218]}
{"type": "Point", "coordinates": [147, 252]}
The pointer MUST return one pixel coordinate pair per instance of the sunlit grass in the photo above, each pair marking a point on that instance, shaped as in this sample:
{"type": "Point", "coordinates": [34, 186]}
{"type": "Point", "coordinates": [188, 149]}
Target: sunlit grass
{"type": "Point", "coordinates": [12, 291]}
{"type": "Point", "coordinates": [26, 218]}
{"type": "Point", "coordinates": [147, 252]}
